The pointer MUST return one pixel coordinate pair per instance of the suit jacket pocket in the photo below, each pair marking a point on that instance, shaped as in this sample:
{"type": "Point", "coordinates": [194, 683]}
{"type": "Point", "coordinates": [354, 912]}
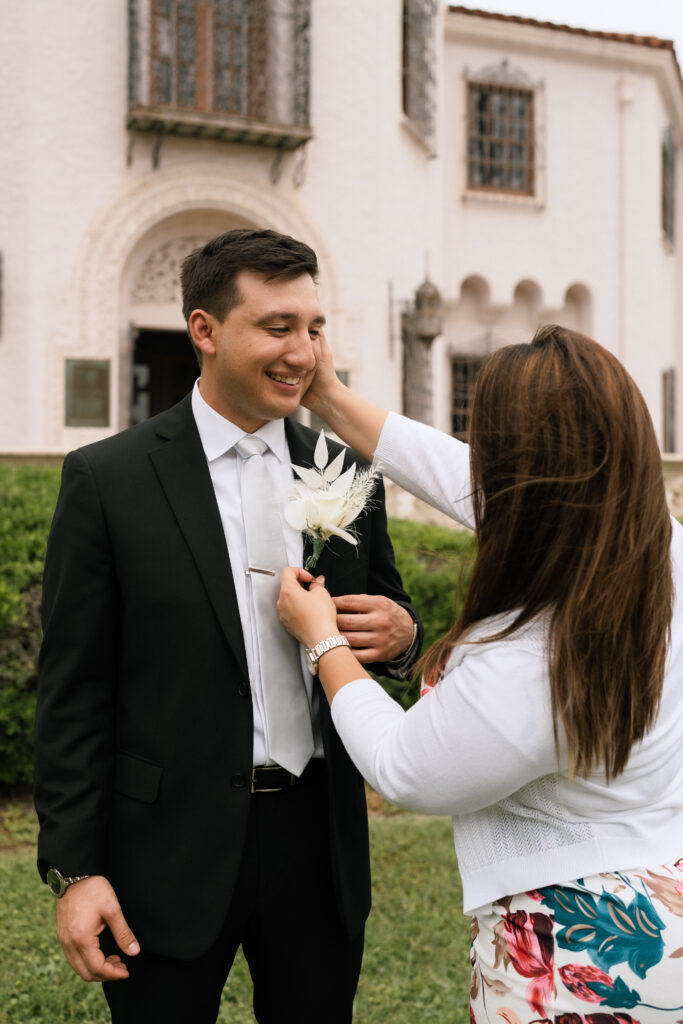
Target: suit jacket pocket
{"type": "Point", "coordinates": [137, 778]}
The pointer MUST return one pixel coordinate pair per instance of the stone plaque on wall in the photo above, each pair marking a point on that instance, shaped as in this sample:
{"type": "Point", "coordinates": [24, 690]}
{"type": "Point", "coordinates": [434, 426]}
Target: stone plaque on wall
{"type": "Point", "coordinates": [87, 392]}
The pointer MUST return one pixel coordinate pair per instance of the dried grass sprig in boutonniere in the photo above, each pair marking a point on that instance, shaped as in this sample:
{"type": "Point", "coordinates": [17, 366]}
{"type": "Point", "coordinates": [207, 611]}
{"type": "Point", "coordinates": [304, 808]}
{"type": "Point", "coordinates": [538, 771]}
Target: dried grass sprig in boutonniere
{"type": "Point", "coordinates": [324, 501]}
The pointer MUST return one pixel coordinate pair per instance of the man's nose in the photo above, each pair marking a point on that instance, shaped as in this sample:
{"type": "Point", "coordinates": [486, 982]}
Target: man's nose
{"type": "Point", "coordinates": [300, 352]}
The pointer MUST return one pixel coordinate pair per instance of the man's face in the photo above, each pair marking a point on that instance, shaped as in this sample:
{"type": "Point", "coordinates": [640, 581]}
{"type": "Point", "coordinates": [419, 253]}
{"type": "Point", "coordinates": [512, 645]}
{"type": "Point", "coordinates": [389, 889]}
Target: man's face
{"type": "Point", "coordinates": [262, 357]}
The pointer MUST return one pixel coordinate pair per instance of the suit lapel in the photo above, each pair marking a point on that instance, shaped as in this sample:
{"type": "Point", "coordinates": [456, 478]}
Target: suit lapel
{"type": "Point", "coordinates": [181, 467]}
{"type": "Point", "coordinates": [337, 552]}
{"type": "Point", "coordinates": [301, 454]}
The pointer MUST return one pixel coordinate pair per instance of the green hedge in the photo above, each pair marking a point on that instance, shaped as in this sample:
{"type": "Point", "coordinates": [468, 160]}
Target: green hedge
{"type": "Point", "coordinates": [27, 500]}
{"type": "Point", "coordinates": [433, 561]}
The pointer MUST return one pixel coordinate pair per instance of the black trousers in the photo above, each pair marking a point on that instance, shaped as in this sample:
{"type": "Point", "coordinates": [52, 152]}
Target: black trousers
{"type": "Point", "coordinates": [284, 914]}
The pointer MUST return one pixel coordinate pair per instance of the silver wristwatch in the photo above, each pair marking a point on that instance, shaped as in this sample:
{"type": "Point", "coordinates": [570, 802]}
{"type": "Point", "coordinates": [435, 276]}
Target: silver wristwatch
{"type": "Point", "coordinates": [58, 883]}
{"type": "Point", "coordinates": [314, 654]}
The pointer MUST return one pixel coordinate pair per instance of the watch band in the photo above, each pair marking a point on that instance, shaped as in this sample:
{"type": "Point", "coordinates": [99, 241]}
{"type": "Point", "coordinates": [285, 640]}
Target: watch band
{"type": "Point", "coordinates": [58, 883]}
{"type": "Point", "coordinates": [401, 666]}
{"type": "Point", "coordinates": [315, 653]}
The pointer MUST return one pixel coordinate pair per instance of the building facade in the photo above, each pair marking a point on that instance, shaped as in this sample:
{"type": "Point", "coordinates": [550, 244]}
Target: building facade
{"type": "Point", "coordinates": [561, 177]}
{"type": "Point", "coordinates": [462, 177]}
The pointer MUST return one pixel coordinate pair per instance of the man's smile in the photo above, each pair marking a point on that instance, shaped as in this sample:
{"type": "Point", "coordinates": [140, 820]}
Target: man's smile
{"type": "Point", "coordinates": [282, 379]}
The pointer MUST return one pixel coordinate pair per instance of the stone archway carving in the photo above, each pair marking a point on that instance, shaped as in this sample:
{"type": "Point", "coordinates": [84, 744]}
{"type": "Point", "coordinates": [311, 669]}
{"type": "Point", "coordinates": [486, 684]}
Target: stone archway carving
{"type": "Point", "coordinates": [158, 278]}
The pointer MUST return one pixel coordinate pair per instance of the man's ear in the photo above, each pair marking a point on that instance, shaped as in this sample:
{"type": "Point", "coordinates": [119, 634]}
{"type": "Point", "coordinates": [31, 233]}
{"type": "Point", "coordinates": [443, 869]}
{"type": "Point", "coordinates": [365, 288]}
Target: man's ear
{"type": "Point", "coordinates": [201, 326]}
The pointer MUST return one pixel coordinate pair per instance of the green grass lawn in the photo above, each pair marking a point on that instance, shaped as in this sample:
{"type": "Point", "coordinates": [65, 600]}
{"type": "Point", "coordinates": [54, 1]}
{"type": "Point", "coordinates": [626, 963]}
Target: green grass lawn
{"type": "Point", "coordinates": [416, 965]}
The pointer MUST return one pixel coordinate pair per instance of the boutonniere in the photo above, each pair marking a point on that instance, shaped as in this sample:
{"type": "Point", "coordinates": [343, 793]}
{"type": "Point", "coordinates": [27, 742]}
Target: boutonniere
{"type": "Point", "coordinates": [324, 501]}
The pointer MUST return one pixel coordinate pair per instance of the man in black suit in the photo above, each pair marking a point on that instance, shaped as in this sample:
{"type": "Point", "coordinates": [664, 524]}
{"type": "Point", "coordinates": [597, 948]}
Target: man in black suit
{"type": "Point", "coordinates": [167, 833]}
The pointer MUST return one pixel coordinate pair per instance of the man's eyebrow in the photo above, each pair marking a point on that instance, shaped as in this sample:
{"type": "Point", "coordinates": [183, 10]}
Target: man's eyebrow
{"type": "Point", "coordinates": [288, 317]}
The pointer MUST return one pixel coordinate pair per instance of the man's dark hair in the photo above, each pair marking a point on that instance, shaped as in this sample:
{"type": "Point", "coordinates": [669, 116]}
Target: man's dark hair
{"type": "Point", "coordinates": [208, 274]}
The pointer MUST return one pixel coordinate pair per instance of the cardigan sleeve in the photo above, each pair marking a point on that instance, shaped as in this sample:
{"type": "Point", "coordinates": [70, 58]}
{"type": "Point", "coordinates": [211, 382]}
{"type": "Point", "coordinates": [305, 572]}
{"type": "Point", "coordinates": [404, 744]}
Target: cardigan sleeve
{"type": "Point", "coordinates": [481, 734]}
{"type": "Point", "coordinates": [429, 464]}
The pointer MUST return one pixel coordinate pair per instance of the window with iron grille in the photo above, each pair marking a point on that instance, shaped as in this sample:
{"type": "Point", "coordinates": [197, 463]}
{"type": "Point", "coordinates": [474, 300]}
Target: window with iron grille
{"type": "Point", "coordinates": [231, 69]}
{"type": "Point", "coordinates": [464, 370]}
{"type": "Point", "coordinates": [500, 138]}
{"type": "Point", "coordinates": [668, 184]}
{"type": "Point", "coordinates": [418, 76]}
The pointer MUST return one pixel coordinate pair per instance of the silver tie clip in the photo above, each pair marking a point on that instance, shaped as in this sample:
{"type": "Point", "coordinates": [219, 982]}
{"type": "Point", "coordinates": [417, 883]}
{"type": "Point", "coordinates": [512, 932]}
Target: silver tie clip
{"type": "Point", "coordinates": [264, 572]}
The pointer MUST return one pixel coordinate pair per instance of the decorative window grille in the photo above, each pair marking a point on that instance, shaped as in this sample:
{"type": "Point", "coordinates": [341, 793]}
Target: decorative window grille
{"type": "Point", "coordinates": [669, 410]}
{"type": "Point", "coordinates": [237, 70]}
{"type": "Point", "coordinates": [419, 79]}
{"type": "Point", "coordinates": [464, 370]}
{"type": "Point", "coordinates": [668, 184]}
{"type": "Point", "coordinates": [500, 138]}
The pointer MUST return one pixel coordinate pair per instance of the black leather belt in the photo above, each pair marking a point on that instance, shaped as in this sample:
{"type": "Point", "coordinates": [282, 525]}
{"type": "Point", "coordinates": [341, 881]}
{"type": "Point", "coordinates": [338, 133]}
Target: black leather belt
{"type": "Point", "coordinates": [271, 778]}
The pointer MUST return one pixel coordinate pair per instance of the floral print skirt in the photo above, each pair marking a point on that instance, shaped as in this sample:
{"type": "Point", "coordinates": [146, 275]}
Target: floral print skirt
{"type": "Point", "coordinates": [601, 950]}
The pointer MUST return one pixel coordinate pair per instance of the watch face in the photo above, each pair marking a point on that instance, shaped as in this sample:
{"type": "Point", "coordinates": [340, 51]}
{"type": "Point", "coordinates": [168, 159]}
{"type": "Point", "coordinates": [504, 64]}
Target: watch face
{"type": "Point", "coordinates": [311, 663]}
{"type": "Point", "coordinates": [55, 882]}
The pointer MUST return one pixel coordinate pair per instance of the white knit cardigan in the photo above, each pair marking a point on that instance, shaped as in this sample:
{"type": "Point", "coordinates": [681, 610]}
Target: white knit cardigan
{"type": "Point", "coordinates": [480, 746]}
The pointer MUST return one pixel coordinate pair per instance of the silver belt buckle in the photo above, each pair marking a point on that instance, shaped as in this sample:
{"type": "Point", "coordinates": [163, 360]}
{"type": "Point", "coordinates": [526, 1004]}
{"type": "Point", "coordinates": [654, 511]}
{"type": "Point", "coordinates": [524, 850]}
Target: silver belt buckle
{"type": "Point", "coordinates": [272, 789]}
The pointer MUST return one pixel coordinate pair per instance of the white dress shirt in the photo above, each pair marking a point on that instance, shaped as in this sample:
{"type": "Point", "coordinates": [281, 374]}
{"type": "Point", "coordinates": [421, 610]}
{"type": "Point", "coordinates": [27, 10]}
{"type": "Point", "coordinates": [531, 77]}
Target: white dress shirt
{"type": "Point", "coordinates": [219, 437]}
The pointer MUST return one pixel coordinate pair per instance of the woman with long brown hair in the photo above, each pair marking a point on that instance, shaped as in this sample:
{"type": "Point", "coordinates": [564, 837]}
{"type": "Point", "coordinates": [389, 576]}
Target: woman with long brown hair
{"type": "Point", "coordinates": [552, 729]}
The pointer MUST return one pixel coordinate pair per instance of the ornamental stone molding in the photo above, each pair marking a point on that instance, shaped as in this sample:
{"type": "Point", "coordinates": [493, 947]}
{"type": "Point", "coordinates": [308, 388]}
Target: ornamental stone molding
{"type": "Point", "coordinates": [158, 280]}
{"type": "Point", "coordinates": [149, 201]}
{"type": "Point", "coordinates": [502, 73]}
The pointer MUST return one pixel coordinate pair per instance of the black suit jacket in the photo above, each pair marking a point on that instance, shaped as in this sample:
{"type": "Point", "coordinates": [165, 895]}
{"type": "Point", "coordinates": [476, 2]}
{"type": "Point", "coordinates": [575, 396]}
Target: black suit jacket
{"type": "Point", "coordinates": [144, 724]}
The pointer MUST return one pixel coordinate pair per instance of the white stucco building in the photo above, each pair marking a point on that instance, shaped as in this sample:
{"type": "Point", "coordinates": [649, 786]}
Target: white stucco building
{"type": "Point", "coordinates": [571, 213]}
{"type": "Point", "coordinates": [529, 171]}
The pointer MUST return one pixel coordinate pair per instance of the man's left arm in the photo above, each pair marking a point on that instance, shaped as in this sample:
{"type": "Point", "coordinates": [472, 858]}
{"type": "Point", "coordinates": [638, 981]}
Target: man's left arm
{"type": "Point", "coordinates": [381, 625]}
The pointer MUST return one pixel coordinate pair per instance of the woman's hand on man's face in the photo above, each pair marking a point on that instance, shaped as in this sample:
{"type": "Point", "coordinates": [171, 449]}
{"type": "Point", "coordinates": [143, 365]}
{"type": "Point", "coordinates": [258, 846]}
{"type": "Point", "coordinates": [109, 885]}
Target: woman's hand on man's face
{"type": "Point", "coordinates": [324, 379]}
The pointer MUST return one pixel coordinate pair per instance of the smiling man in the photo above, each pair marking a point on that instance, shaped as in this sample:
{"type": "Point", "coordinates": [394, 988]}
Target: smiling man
{"type": "Point", "coordinates": [192, 791]}
{"type": "Point", "coordinates": [263, 377]}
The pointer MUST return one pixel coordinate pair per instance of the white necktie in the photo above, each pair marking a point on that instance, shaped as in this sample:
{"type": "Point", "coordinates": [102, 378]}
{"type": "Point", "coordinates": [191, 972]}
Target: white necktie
{"type": "Point", "coordinates": [288, 716]}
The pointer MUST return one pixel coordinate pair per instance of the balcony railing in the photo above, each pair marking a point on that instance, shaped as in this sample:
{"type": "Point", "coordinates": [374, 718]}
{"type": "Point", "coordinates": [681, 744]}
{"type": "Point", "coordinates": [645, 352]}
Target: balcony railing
{"type": "Point", "coordinates": [235, 70]}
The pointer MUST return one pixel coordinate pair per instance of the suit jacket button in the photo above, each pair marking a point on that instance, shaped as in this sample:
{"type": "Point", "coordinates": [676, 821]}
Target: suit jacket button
{"type": "Point", "coordinates": [238, 780]}
{"type": "Point", "coordinates": [242, 690]}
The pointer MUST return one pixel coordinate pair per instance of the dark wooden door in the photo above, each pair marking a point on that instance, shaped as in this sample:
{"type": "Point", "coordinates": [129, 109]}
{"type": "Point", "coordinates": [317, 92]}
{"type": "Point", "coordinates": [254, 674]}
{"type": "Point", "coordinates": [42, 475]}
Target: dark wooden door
{"type": "Point", "coordinates": [164, 370]}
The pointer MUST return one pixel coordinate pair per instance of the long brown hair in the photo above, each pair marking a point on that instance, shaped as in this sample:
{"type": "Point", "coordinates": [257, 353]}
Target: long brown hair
{"type": "Point", "coordinates": [571, 520]}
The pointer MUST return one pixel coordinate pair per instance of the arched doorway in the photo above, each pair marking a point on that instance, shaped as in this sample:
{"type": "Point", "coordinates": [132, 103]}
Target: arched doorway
{"type": "Point", "coordinates": [171, 205]}
{"type": "Point", "coordinates": [159, 365]}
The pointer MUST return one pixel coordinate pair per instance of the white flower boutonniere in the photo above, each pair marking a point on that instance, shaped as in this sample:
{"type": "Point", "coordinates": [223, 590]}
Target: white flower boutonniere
{"type": "Point", "coordinates": [324, 500]}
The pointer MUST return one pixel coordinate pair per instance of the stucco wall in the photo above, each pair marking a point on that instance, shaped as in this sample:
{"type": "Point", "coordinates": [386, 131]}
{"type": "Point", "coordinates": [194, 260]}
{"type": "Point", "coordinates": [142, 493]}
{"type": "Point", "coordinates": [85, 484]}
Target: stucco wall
{"type": "Point", "coordinates": [82, 207]}
{"type": "Point", "coordinates": [80, 201]}
{"type": "Point", "coordinates": [601, 109]}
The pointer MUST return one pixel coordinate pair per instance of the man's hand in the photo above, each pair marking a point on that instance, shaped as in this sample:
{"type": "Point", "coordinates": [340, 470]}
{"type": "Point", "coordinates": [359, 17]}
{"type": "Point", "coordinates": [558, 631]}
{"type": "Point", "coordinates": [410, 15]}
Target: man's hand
{"type": "Point", "coordinates": [82, 914]}
{"type": "Point", "coordinates": [377, 628]}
